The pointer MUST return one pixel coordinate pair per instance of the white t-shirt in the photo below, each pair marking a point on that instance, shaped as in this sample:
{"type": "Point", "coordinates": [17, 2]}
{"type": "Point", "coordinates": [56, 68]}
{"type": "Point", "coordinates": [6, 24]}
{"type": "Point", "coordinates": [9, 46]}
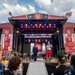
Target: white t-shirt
{"type": "Point", "coordinates": [48, 47]}
{"type": "Point", "coordinates": [6, 65]}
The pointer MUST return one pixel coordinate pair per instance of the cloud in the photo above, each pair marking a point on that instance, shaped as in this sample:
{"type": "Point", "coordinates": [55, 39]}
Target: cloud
{"type": "Point", "coordinates": [42, 11]}
{"type": "Point", "coordinates": [57, 7]}
{"type": "Point", "coordinates": [16, 10]}
{"type": "Point", "coordinates": [44, 3]}
{"type": "Point", "coordinates": [12, 2]}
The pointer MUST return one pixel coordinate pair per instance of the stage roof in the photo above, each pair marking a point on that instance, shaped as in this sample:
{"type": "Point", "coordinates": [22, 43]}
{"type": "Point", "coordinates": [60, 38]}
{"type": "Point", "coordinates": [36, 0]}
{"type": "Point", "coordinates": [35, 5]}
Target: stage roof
{"type": "Point", "coordinates": [38, 23]}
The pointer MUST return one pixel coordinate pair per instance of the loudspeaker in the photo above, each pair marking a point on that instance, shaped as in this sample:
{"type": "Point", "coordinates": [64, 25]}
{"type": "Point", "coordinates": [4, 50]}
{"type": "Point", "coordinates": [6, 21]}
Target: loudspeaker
{"type": "Point", "coordinates": [25, 67]}
{"type": "Point", "coordinates": [50, 67]}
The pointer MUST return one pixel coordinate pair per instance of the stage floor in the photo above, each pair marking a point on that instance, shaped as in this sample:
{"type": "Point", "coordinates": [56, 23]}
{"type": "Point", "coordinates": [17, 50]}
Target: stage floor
{"type": "Point", "coordinates": [37, 68]}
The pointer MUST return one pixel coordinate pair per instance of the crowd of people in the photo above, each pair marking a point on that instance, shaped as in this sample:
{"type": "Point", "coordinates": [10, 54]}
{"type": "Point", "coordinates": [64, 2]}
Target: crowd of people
{"type": "Point", "coordinates": [13, 65]}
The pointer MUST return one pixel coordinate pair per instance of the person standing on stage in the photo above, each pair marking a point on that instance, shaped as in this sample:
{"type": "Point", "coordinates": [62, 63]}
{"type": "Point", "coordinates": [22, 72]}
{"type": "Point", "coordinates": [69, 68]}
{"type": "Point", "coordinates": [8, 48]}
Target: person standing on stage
{"type": "Point", "coordinates": [35, 51]}
{"type": "Point", "coordinates": [49, 50]}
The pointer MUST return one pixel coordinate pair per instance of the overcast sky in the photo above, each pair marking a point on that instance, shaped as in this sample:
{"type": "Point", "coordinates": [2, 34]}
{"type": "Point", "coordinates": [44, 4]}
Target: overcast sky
{"type": "Point", "coordinates": [22, 7]}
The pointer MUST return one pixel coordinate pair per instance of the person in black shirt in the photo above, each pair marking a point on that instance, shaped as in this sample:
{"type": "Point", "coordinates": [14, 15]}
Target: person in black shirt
{"type": "Point", "coordinates": [72, 65]}
{"type": "Point", "coordinates": [62, 69]}
{"type": "Point", "coordinates": [8, 72]}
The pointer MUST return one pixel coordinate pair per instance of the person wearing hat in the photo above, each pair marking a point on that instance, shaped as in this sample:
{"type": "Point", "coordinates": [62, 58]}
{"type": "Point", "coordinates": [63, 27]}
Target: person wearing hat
{"type": "Point", "coordinates": [62, 69]}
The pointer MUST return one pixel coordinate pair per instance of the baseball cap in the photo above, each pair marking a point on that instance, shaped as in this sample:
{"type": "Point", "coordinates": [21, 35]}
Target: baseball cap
{"type": "Point", "coordinates": [61, 57]}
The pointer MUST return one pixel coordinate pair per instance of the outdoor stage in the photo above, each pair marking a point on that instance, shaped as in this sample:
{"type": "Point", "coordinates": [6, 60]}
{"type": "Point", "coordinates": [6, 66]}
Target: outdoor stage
{"type": "Point", "coordinates": [37, 28]}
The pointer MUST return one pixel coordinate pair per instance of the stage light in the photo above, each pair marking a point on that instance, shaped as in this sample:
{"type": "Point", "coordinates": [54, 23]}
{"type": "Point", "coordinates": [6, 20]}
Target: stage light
{"type": "Point", "coordinates": [17, 31]}
{"type": "Point", "coordinates": [57, 31]}
{"type": "Point", "coordinates": [32, 40]}
{"type": "Point", "coordinates": [54, 24]}
{"type": "Point", "coordinates": [31, 25]}
{"type": "Point", "coordinates": [29, 40]}
{"type": "Point", "coordinates": [46, 40]}
{"type": "Point", "coordinates": [49, 24]}
{"type": "Point", "coordinates": [42, 40]}
{"type": "Point", "coordinates": [39, 27]}
{"type": "Point", "coordinates": [26, 25]}
{"type": "Point", "coordinates": [35, 24]}
{"type": "Point", "coordinates": [35, 40]}
{"type": "Point", "coordinates": [47, 27]}
{"type": "Point", "coordinates": [40, 24]}
{"type": "Point", "coordinates": [21, 25]}
{"type": "Point", "coordinates": [39, 40]}
{"type": "Point", "coordinates": [44, 24]}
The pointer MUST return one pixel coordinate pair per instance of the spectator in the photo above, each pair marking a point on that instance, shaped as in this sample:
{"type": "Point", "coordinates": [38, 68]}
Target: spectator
{"type": "Point", "coordinates": [13, 65]}
{"type": "Point", "coordinates": [72, 66]}
{"type": "Point", "coordinates": [1, 68]}
{"type": "Point", "coordinates": [7, 62]}
{"type": "Point", "coordinates": [62, 69]}
{"type": "Point", "coordinates": [3, 62]}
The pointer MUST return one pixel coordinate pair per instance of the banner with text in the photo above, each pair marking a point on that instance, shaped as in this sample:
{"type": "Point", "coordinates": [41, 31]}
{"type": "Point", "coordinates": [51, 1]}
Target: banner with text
{"type": "Point", "coordinates": [69, 40]}
{"type": "Point", "coordinates": [6, 41]}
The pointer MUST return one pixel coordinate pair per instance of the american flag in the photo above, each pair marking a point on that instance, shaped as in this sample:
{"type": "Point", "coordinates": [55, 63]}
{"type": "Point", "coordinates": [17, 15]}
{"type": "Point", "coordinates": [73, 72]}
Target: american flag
{"type": "Point", "coordinates": [10, 13]}
{"type": "Point", "coordinates": [69, 14]}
